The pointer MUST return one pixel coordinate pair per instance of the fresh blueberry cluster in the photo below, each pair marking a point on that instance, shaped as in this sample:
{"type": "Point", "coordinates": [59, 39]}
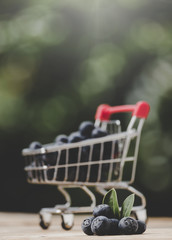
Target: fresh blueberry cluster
{"type": "Point", "coordinates": [86, 130]}
{"type": "Point", "coordinates": [103, 222]}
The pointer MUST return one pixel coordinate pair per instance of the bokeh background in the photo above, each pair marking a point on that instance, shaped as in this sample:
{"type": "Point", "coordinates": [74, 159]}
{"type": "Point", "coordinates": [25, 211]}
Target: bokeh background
{"type": "Point", "coordinates": [59, 60]}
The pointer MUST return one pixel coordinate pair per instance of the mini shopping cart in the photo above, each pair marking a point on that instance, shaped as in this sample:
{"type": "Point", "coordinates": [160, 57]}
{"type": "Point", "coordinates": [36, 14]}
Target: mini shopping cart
{"type": "Point", "coordinates": [98, 162]}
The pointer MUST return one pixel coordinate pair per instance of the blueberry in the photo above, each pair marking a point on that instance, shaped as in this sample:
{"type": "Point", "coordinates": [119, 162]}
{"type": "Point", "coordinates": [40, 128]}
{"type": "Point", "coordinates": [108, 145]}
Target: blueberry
{"type": "Point", "coordinates": [128, 225]}
{"type": "Point", "coordinates": [35, 145]}
{"type": "Point", "coordinates": [101, 226]}
{"type": "Point", "coordinates": [103, 210]}
{"type": "Point", "coordinates": [98, 132]}
{"type": "Point", "coordinates": [141, 227]}
{"type": "Point", "coordinates": [86, 226]}
{"type": "Point", "coordinates": [75, 137]}
{"type": "Point", "coordinates": [86, 128]}
{"type": "Point", "coordinates": [61, 138]}
{"type": "Point", "coordinates": [114, 230]}
{"type": "Point", "coordinates": [60, 143]}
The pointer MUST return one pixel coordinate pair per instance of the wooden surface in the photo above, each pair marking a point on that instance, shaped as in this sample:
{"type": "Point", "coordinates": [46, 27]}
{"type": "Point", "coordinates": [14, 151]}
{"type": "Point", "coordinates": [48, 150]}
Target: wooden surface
{"type": "Point", "coordinates": [18, 226]}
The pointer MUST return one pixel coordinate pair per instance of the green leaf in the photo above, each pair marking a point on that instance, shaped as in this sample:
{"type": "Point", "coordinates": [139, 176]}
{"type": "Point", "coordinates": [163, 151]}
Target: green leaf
{"type": "Point", "coordinates": [127, 206]}
{"type": "Point", "coordinates": [111, 199]}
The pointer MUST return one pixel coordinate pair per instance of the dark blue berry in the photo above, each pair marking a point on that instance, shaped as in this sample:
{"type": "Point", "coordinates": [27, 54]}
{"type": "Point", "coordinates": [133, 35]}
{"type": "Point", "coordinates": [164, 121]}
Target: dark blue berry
{"type": "Point", "coordinates": [128, 225]}
{"type": "Point", "coordinates": [100, 226]}
{"type": "Point", "coordinates": [103, 210]}
{"type": "Point", "coordinates": [61, 138]}
{"type": "Point", "coordinates": [75, 137]}
{"type": "Point", "coordinates": [141, 227]}
{"type": "Point", "coordinates": [86, 226]}
{"type": "Point", "coordinates": [86, 128]}
{"type": "Point", "coordinates": [98, 132]}
{"type": "Point", "coordinates": [114, 230]}
{"type": "Point", "coordinates": [35, 145]}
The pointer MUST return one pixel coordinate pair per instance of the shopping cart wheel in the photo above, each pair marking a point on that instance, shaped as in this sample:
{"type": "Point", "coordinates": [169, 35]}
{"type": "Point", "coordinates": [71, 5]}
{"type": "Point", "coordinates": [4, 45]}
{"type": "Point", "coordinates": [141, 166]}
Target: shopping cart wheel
{"type": "Point", "coordinates": [45, 220]}
{"type": "Point", "coordinates": [140, 215]}
{"type": "Point", "coordinates": [67, 221]}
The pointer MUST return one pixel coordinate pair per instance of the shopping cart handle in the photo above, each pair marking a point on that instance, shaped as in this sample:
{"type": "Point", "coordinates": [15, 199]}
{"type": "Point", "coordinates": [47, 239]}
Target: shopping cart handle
{"type": "Point", "coordinates": [140, 110]}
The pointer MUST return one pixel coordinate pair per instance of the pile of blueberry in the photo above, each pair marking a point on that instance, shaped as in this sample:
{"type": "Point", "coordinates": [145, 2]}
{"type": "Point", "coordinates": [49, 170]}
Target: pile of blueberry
{"type": "Point", "coordinates": [86, 130]}
{"type": "Point", "coordinates": [104, 223]}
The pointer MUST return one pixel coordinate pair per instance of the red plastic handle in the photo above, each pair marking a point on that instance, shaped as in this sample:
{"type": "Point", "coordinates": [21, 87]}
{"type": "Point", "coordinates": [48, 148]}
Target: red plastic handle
{"type": "Point", "coordinates": [140, 110]}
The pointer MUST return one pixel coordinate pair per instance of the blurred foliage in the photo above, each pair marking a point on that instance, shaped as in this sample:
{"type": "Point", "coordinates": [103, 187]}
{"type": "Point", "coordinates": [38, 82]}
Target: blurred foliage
{"type": "Point", "coordinates": [60, 59]}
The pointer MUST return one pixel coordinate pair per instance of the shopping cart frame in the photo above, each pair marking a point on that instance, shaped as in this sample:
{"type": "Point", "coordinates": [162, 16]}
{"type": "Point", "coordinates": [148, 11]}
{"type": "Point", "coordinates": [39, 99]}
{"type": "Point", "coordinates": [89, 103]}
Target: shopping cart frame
{"type": "Point", "coordinates": [139, 113]}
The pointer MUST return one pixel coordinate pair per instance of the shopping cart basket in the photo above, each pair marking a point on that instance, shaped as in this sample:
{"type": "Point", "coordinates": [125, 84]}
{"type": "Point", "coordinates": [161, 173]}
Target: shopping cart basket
{"type": "Point", "coordinates": [97, 162]}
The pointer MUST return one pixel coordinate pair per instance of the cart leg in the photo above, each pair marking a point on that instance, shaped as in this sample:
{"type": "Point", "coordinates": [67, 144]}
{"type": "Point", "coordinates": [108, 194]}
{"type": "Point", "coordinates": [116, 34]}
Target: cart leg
{"type": "Point", "coordinates": [67, 221]}
{"type": "Point", "coordinates": [82, 209]}
{"type": "Point", "coordinates": [45, 219]}
{"type": "Point", "coordinates": [141, 215]}
{"type": "Point", "coordinates": [139, 211]}
{"type": "Point", "coordinates": [91, 195]}
{"type": "Point", "coordinates": [139, 194]}
{"type": "Point", "coordinates": [46, 213]}
{"type": "Point", "coordinates": [68, 214]}
{"type": "Point", "coordinates": [101, 190]}
{"type": "Point", "coordinates": [67, 198]}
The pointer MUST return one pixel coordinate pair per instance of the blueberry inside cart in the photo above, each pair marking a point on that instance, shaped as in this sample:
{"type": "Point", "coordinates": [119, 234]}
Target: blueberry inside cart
{"type": "Point", "coordinates": [99, 162]}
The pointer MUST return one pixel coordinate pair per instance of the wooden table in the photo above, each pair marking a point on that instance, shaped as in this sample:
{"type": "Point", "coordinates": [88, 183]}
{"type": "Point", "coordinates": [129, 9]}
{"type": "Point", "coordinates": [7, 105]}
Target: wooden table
{"type": "Point", "coordinates": [21, 226]}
